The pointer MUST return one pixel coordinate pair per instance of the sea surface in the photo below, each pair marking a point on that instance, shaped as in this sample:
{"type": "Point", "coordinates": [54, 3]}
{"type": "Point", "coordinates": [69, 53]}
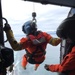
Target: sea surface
{"type": "Point", "coordinates": [52, 57]}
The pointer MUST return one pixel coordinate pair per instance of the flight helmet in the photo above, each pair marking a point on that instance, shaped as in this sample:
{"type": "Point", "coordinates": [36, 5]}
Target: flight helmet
{"type": "Point", "coordinates": [29, 27]}
{"type": "Point", "coordinates": [67, 29]}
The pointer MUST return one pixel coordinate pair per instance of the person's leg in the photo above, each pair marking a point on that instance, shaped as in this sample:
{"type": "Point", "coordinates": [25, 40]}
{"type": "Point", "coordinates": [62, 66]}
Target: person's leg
{"type": "Point", "coordinates": [24, 61]}
{"type": "Point", "coordinates": [36, 66]}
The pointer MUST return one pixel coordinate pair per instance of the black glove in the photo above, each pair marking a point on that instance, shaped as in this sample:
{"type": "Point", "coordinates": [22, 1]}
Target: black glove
{"type": "Point", "coordinates": [46, 67]}
{"type": "Point", "coordinates": [6, 27]}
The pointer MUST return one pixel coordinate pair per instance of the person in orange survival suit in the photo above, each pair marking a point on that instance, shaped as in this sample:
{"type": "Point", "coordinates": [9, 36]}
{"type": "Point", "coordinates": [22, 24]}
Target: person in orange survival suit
{"type": "Point", "coordinates": [66, 30]}
{"type": "Point", "coordinates": [34, 43]}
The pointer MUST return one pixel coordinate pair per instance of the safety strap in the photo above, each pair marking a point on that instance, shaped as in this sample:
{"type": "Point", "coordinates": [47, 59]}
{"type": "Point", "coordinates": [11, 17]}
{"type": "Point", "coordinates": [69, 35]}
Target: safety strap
{"type": "Point", "coordinates": [31, 60]}
{"type": "Point", "coordinates": [33, 54]}
{"type": "Point", "coordinates": [37, 48]}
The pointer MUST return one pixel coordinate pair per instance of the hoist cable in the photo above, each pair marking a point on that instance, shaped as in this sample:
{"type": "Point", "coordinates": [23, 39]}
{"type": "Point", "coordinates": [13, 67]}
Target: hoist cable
{"type": "Point", "coordinates": [33, 7]}
{"type": "Point", "coordinates": [34, 13]}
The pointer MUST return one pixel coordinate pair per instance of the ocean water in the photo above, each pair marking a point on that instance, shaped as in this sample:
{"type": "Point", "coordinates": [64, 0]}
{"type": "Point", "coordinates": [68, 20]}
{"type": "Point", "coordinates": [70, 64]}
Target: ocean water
{"type": "Point", "coordinates": [52, 57]}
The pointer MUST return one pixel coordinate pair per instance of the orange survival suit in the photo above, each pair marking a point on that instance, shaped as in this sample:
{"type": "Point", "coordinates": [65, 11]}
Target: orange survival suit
{"type": "Point", "coordinates": [67, 64]}
{"type": "Point", "coordinates": [35, 47]}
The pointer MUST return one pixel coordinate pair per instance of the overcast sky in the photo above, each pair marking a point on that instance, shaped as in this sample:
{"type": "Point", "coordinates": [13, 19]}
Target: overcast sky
{"type": "Point", "coordinates": [18, 12]}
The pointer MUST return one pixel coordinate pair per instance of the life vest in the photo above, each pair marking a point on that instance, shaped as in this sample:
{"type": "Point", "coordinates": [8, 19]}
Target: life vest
{"type": "Point", "coordinates": [38, 41]}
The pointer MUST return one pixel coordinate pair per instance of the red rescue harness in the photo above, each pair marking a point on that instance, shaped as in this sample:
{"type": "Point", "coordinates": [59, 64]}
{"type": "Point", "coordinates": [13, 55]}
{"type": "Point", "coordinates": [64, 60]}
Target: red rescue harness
{"type": "Point", "coordinates": [37, 40]}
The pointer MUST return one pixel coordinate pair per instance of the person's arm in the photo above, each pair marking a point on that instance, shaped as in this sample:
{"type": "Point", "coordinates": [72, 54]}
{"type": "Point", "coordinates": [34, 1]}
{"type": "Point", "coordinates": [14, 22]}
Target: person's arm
{"type": "Point", "coordinates": [51, 40]}
{"type": "Point", "coordinates": [54, 41]}
{"type": "Point", "coordinates": [53, 67]}
{"type": "Point", "coordinates": [66, 65]}
{"type": "Point", "coordinates": [10, 37]}
{"type": "Point", "coordinates": [14, 44]}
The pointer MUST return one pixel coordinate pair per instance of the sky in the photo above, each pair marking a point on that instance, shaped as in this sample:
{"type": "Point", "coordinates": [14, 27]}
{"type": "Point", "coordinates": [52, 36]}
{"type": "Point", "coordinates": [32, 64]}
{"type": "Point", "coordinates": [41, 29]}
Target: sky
{"type": "Point", "coordinates": [17, 12]}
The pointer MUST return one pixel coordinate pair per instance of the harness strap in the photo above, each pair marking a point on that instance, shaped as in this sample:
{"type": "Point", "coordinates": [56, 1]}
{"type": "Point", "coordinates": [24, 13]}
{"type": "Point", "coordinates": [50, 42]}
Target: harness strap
{"type": "Point", "coordinates": [39, 51]}
{"type": "Point", "coordinates": [31, 60]}
{"type": "Point", "coordinates": [35, 52]}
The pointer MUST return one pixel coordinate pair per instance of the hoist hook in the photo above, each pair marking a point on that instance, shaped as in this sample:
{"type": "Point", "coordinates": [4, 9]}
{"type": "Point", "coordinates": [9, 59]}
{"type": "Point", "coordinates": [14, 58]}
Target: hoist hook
{"type": "Point", "coordinates": [34, 15]}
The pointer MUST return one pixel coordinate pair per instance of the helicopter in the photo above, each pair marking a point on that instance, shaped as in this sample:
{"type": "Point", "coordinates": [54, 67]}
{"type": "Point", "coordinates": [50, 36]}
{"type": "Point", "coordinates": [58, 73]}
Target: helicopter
{"type": "Point", "coordinates": [69, 3]}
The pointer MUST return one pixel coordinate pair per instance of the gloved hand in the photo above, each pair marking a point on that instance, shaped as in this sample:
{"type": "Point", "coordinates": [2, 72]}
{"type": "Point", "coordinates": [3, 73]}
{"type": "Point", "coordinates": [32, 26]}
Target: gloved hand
{"type": "Point", "coordinates": [46, 67]}
{"type": "Point", "coordinates": [6, 27]}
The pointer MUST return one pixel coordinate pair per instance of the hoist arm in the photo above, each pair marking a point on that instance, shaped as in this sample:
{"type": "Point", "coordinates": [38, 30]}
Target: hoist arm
{"type": "Point", "coordinates": [68, 3]}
